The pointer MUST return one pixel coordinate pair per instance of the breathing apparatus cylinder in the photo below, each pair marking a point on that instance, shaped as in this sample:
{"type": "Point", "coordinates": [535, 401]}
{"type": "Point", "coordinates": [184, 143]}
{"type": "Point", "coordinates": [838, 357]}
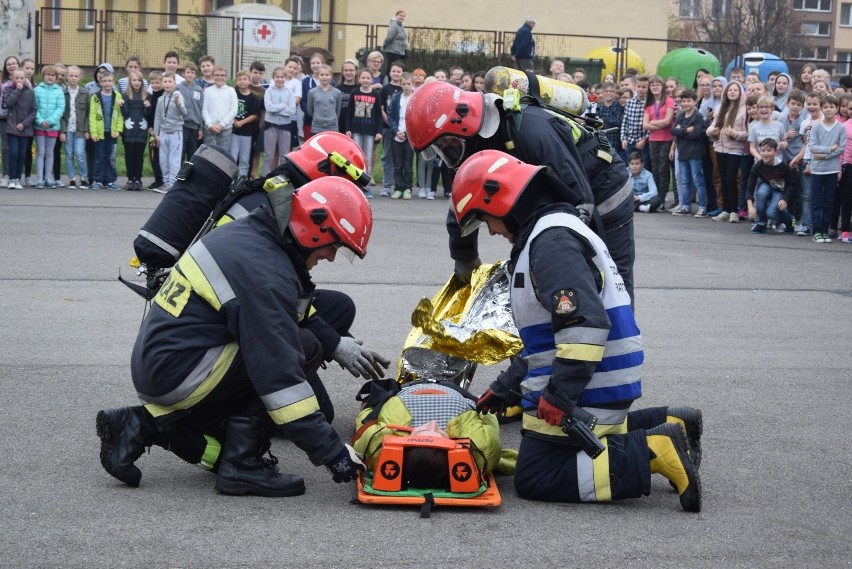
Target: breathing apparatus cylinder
{"type": "Point", "coordinates": [201, 183]}
{"type": "Point", "coordinates": [558, 94]}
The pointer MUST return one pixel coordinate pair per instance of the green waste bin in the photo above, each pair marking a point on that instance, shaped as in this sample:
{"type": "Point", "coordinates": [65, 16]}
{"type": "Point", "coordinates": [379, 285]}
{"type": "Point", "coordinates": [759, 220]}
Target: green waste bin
{"type": "Point", "coordinates": [593, 67]}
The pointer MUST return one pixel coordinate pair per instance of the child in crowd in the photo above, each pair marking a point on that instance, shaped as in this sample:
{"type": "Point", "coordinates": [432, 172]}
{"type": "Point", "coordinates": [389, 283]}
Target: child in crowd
{"type": "Point", "coordinates": [814, 116]}
{"type": "Point", "coordinates": [347, 87]}
{"type": "Point", "coordinates": [9, 65]}
{"type": "Point", "coordinates": [791, 120]}
{"type": "Point", "coordinates": [206, 63]}
{"type": "Point", "coordinates": [765, 127]}
{"type": "Point", "coordinates": [611, 113]}
{"type": "Point", "coordinates": [844, 188]}
{"type": "Point", "coordinates": [192, 95]}
{"type": "Point", "coordinates": [658, 116]}
{"type": "Point", "coordinates": [133, 63]}
{"type": "Point", "coordinates": [61, 80]}
{"type": "Point", "coordinates": [105, 126]}
{"type": "Point", "coordinates": [747, 161]}
{"type": "Point", "coordinates": [29, 67]}
{"type": "Point", "coordinates": [385, 95]}
{"type": "Point", "coordinates": [245, 123]}
{"type": "Point", "coordinates": [156, 80]}
{"type": "Point", "coordinates": [280, 104]}
{"type": "Point", "coordinates": [403, 154]}
{"type": "Point", "coordinates": [324, 102]}
{"type": "Point", "coordinates": [827, 142]}
{"type": "Point", "coordinates": [257, 70]}
{"type": "Point", "coordinates": [219, 109]}
{"type": "Point", "coordinates": [729, 135]}
{"type": "Point", "coordinates": [292, 69]}
{"type": "Point", "coordinates": [645, 198]}
{"type": "Point", "coordinates": [75, 122]}
{"type": "Point", "coordinates": [781, 91]}
{"type": "Point", "coordinates": [135, 129]}
{"type": "Point", "coordinates": [168, 128]}
{"type": "Point", "coordinates": [50, 106]}
{"type": "Point", "coordinates": [171, 61]}
{"type": "Point", "coordinates": [19, 99]}
{"type": "Point", "coordinates": [772, 186]}
{"type": "Point", "coordinates": [363, 118]}
{"type": "Point", "coordinates": [309, 82]}
{"type": "Point", "coordinates": [688, 131]}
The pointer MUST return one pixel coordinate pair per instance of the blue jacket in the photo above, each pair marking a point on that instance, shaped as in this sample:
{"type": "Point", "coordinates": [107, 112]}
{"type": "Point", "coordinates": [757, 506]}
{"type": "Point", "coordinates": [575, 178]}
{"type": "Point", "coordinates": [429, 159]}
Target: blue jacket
{"type": "Point", "coordinates": [524, 45]}
{"type": "Point", "coordinates": [50, 106]}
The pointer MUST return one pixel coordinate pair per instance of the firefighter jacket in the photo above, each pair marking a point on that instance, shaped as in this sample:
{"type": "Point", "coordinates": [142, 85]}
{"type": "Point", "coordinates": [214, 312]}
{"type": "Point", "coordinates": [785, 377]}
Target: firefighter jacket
{"type": "Point", "coordinates": [235, 298]}
{"type": "Point", "coordinates": [581, 344]}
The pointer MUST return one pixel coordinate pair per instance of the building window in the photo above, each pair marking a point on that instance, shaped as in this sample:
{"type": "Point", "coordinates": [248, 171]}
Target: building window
{"type": "Point", "coordinates": [819, 53]}
{"type": "Point", "coordinates": [306, 13]}
{"type": "Point", "coordinates": [690, 9]}
{"type": "Point", "coordinates": [821, 29]}
{"type": "Point", "coordinates": [53, 14]}
{"type": "Point", "coordinates": [172, 16]}
{"type": "Point", "coordinates": [844, 59]}
{"type": "Point", "coordinates": [89, 15]}
{"type": "Point", "coordinates": [846, 14]}
{"type": "Point", "coordinates": [812, 5]}
{"type": "Point", "coordinates": [142, 15]}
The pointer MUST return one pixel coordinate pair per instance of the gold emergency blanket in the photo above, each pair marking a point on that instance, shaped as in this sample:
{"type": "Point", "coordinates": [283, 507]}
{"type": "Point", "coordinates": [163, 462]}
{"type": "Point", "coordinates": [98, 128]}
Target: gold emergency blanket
{"type": "Point", "coordinates": [461, 326]}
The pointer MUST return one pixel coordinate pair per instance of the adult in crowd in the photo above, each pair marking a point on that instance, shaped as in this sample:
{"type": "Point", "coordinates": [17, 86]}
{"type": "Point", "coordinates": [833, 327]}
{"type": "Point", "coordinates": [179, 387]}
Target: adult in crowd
{"type": "Point", "coordinates": [396, 42]}
{"type": "Point", "coordinates": [523, 48]}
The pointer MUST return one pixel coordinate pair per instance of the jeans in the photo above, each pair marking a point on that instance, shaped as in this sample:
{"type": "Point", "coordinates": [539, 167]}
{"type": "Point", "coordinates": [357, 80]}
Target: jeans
{"type": "Point", "coordinates": [403, 161]}
{"type": "Point", "coordinates": [276, 138]}
{"type": "Point", "coordinates": [367, 143]}
{"type": "Point", "coordinates": [222, 139]}
{"type": "Point", "coordinates": [387, 157]}
{"type": "Point", "coordinates": [424, 171]}
{"type": "Point", "coordinates": [44, 157]}
{"type": "Point", "coordinates": [104, 163]}
{"type": "Point", "coordinates": [190, 141]}
{"type": "Point", "coordinates": [171, 150]}
{"type": "Point", "coordinates": [18, 147]}
{"type": "Point", "coordinates": [241, 151]}
{"type": "Point", "coordinates": [75, 149]}
{"type": "Point", "coordinates": [823, 187]}
{"type": "Point", "coordinates": [4, 145]}
{"type": "Point", "coordinates": [691, 173]}
{"type": "Point", "coordinates": [661, 166]}
{"type": "Point", "coordinates": [807, 212]}
{"type": "Point", "coordinates": [766, 203]}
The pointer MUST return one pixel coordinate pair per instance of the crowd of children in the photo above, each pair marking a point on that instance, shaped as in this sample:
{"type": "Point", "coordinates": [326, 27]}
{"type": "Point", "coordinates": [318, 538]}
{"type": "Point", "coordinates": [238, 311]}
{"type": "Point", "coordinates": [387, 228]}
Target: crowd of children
{"type": "Point", "coordinates": [775, 153]}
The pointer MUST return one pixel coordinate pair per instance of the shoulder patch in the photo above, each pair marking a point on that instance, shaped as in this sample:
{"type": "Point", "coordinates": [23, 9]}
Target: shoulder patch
{"type": "Point", "coordinates": [564, 302]}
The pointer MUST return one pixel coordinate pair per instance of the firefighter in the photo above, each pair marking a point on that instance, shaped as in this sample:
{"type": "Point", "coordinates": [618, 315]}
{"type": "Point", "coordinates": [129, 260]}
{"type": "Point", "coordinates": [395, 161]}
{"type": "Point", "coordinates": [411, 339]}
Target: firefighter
{"type": "Point", "coordinates": [444, 120]}
{"type": "Point", "coordinates": [220, 359]}
{"type": "Point", "coordinates": [582, 356]}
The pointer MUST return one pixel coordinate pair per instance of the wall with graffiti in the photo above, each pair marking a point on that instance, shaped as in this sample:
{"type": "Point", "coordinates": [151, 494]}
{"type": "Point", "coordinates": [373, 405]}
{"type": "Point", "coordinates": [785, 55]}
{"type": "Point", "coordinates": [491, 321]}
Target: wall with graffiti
{"type": "Point", "coordinates": [17, 28]}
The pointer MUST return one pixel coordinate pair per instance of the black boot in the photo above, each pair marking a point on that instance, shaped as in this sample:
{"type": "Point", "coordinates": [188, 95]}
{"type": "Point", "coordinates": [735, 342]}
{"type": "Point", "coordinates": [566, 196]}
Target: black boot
{"type": "Point", "coordinates": [244, 470]}
{"type": "Point", "coordinates": [692, 422]}
{"type": "Point", "coordinates": [124, 434]}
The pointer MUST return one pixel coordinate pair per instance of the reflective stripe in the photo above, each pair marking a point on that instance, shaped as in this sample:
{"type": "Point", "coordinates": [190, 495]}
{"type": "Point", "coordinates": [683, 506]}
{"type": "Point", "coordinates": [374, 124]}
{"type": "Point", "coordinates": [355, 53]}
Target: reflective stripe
{"type": "Point", "coordinates": [541, 359]}
{"type": "Point", "coordinates": [160, 243]}
{"type": "Point", "coordinates": [580, 352]}
{"type": "Point", "coordinates": [211, 453]}
{"type": "Point", "coordinates": [200, 382]}
{"type": "Point", "coordinates": [616, 200]}
{"type": "Point", "coordinates": [223, 162]}
{"type": "Point", "coordinates": [237, 211]}
{"type": "Point", "coordinates": [608, 419]}
{"type": "Point", "coordinates": [535, 383]}
{"type": "Point", "coordinates": [585, 478]}
{"type": "Point", "coordinates": [205, 276]}
{"type": "Point", "coordinates": [295, 411]}
{"type": "Point", "coordinates": [580, 335]}
{"type": "Point", "coordinates": [287, 396]}
{"type": "Point", "coordinates": [624, 346]}
{"type": "Point", "coordinates": [600, 467]}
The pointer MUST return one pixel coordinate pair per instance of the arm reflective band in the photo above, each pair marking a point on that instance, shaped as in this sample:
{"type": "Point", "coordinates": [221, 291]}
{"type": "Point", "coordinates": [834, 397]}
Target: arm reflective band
{"type": "Point", "coordinates": [580, 352]}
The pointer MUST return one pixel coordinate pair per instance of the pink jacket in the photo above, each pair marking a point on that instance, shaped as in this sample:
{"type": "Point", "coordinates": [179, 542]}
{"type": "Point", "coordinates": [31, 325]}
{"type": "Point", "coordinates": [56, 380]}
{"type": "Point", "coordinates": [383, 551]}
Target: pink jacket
{"type": "Point", "coordinates": [846, 158]}
{"type": "Point", "coordinates": [737, 145]}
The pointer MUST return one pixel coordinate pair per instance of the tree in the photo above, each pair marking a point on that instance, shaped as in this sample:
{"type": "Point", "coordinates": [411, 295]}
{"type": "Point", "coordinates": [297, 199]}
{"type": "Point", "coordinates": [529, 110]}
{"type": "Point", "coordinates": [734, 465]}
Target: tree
{"type": "Point", "coordinates": [755, 25]}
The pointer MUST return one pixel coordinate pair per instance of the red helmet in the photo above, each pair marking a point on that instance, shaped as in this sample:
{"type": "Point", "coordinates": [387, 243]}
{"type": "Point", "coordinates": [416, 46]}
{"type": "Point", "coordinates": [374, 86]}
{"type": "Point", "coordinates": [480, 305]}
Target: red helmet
{"type": "Point", "coordinates": [439, 117]}
{"type": "Point", "coordinates": [312, 158]}
{"type": "Point", "coordinates": [489, 182]}
{"type": "Point", "coordinates": [332, 210]}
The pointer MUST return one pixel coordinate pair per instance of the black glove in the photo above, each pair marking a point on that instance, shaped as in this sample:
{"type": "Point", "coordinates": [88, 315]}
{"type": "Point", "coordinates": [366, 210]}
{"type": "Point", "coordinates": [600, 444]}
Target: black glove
{"type": "Point", "coordinates": [358, 360]}
{"type": "Point", "coordinates": [346, 465]}
{"type": "Point", "coordinates": [464, 269]}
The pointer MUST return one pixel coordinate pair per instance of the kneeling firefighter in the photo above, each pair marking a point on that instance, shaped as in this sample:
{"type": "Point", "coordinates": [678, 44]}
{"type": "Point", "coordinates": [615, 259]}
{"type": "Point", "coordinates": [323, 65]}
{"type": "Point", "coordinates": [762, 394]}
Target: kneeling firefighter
{"type": "Point", "coordinates": [582, 356]}
{"type": "Point", "coordinates": [447, 121]}
{"type": "Point", "coordinates": [207, 196]}
{"type": "Point", "coordinates": [219, 358]}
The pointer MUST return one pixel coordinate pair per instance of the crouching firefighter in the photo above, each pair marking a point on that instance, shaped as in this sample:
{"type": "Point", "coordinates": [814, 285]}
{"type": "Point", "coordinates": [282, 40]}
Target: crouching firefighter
{"type": "Point", "coordinates": [220, 358]}
{"type": "Point", "coordinates": [582, 356]}
{"type": "Point", "coordinates": [208, 195]}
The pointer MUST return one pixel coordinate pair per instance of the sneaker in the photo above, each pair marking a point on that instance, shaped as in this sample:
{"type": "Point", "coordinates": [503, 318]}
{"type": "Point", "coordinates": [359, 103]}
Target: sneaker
{"type": "Point", "coordinates": [72, 185]}
{"type": "Point", "coordinates": [645, 208]}
{"type": "Point", "coordinates": [430, 196]}
{"type": "Point", "coordinates": [40, 184]}
{"type": "Point", "coordinates": [372, 182]}
{"type": "Point", "coordinates": [30, 182]}
{"type": "Point", "coordinates": [846, 237]}
{"type": "Point", "coordinates": [15, 185]}
{"type": "Point", "coordinates": [396, 195]}
{"type": "Point", "coordinates": [780, 227]}
{"type": "Point", "coordinates": [386, 192]}
{"type": "Point", "coordinates": [817, 238]}
{"type": "Point", "coordinates": [4, 181]}
{"type": "Point", "coordinates": [661, 209]}
{"type": "Point", "coordinates": [826, 237]}
{"type": "Point", "coordinates": [701, 213]}
{"type": "Point", "coordinates": [758, 228]}
{"type": "Point", "coordinates": [674, 207]}
{"type": "Point", "coordinates": [9, 184]}
{"type": "Point", "coordinates": [112, 186]}
{"type": "Point", "coordinates": [368, 194]}
{"type": "Point", "coordinates": [733, 218]}
{"type": "Point", "coordinates": [58, 184]}
{"type": "Point", "coordinates": [721, 217]}
{"type": "Point", "coordinates": [448, 196]}
{"type": "Point", "coordinates": [83, 185]}
{"type": "Point", "coordinates": [682, 211]}
{"type": "Point", "coordinates": [406, 194]}
{"type": "Point", "coordinates": [422, 193]}
{"type": "Point", "coordinates": [742, 214]}
{"type": "Point", "coordinates": [832, 234]}
{"type": "Point", "coordinates": [715, 212]}
{"type": "Point", "coordinates": [802, 231]}
{"type": "Point", "coordinates": [97, 186]}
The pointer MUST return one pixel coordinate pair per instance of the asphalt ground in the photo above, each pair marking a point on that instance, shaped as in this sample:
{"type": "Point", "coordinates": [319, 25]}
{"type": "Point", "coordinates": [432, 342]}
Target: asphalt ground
{"type": "Point", "coordinates": [754, 330]}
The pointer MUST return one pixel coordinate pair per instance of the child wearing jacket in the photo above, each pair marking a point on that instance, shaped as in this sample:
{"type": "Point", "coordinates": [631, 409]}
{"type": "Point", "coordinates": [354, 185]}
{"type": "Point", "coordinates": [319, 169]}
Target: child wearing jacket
{"type": "Point", "coordinates": [50, 106]}
{"type": "Point", "coordinates": [168, 128]}
{"type": "Point", "coordinates": [74, 125]}
{"type": "Point", "coordinates": [105, 126]}
{"type": "Point", "coordinates": [19, 100]}
{"type": "Point", "coordinates": [135, 129]}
